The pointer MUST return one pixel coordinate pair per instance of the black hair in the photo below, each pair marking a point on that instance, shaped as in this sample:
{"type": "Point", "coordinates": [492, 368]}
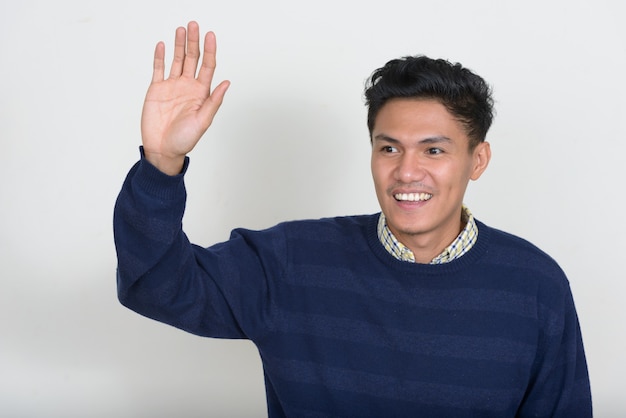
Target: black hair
{"type": "Point", "coordinates": [464, 94]}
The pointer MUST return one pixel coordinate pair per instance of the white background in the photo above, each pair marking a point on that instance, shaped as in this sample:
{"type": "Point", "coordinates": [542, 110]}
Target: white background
{"type": "Point", "coordinates": [290, 142]}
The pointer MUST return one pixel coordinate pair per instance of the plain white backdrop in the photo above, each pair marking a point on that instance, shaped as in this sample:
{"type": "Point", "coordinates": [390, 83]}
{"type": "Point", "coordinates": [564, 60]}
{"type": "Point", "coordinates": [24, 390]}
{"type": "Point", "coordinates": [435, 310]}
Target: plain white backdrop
{"type": "Point", "coordinates": [289, 142]}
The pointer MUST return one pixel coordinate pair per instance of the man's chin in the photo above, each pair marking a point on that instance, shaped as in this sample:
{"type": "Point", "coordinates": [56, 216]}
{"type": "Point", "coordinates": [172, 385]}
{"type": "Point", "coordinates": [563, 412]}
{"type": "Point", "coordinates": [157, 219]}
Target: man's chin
{"type": "Point", "coordinates": [410, 230]}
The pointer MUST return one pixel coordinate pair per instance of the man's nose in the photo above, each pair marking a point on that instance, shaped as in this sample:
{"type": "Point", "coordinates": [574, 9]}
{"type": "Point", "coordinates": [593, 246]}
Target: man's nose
{"type": "Point", "coordinates": [410, 168]}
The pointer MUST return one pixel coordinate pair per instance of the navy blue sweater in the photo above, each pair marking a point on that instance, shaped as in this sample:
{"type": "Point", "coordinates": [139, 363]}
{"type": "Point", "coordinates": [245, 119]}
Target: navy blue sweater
{"type": "Point", "coordinates": [346, 330]}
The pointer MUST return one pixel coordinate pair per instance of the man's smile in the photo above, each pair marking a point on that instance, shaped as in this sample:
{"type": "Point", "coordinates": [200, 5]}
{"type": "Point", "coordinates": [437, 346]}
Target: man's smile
{"type": "Point", "coordinates": [412, 197]}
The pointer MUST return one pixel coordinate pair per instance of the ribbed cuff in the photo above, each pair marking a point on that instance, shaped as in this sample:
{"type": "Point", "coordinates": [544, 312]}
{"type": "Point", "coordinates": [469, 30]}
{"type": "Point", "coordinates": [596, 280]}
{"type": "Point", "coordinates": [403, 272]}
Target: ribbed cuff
{"type": "Point", "coordinates": [156, 183]}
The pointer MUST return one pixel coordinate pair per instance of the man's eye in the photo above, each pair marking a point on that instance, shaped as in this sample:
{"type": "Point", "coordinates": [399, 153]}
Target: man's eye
{"type": "Point", "coordinates": [435, 151]}
{"type": "Point", "coordinates": [389, 149]}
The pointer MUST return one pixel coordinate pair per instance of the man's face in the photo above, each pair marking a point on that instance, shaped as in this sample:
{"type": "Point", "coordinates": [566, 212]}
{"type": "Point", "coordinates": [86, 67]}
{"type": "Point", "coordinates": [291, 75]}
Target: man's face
{"type": "Point", "coordinates": [421, 164]}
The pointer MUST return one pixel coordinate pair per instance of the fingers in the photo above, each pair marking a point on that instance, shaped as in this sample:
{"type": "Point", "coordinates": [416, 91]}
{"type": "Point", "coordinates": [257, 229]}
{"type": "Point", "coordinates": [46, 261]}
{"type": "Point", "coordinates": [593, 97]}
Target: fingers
{"type": "Point", "coordinates": [193, 50]}
{"type": "Point", "coordinates": [179, 53]}
{"type": "Point", "coordinates": [159, 63]}
{"type": "Point", "coordinates": [187, 55]}
{"type": "Point", "coordinates": [213, 103]}
{"type": "Point", "coordinates": [207, 69]}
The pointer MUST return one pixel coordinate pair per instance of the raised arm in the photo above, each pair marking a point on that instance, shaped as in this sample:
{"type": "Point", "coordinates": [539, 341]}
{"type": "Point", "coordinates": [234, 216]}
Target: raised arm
{"type": "Point", "coordinates": [160, 274]}
{"type": "Point", "coordinates": [180, 108]}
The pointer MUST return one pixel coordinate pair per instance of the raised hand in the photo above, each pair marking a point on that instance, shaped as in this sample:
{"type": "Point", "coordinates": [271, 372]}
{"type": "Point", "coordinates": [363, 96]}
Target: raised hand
{"type": "Point", "coordinates": [178, 110]}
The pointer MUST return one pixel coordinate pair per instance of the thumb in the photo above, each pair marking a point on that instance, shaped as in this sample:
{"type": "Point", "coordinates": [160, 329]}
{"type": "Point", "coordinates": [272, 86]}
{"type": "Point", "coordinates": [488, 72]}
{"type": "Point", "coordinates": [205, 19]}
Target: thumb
{"type": "Point", "coordinates": [212, 104]}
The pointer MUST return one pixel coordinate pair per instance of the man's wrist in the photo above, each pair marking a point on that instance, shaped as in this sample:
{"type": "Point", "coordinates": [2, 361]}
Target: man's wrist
{"type": "Point", "coordinates": [171, 166]}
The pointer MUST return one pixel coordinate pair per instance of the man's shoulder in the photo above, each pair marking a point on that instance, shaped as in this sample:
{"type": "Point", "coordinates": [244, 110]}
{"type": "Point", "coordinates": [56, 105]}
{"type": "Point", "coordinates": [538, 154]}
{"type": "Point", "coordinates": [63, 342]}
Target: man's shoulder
{"type": "Point", "coordinates": [319, 229]}
{"type": "Point", "coordinates": [508, 249]}
{"type": "Point", "coordinates": [309, 236]}
{"type": "Point", "coordinates": [331, 228]}
{"type": "Point", "coordinates": [336, 222]}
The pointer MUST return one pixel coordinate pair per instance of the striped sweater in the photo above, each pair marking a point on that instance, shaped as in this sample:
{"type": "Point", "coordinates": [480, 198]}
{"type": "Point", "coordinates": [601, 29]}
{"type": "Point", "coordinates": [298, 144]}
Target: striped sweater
{"type": "Point", "coordinates": [346, 330]}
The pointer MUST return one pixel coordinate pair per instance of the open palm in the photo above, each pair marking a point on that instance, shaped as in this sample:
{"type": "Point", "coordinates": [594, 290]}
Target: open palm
{"type": "Point", "coordinates": [178, 110]}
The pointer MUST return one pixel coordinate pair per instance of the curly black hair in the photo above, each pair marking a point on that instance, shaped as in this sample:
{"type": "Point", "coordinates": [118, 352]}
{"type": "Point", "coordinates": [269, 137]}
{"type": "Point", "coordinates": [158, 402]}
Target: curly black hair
{"type": "Point", "coordinates": [464, 94]}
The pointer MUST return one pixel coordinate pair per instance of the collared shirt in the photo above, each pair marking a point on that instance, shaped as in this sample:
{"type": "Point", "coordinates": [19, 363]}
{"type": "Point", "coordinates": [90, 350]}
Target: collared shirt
{"type": "Point", "coordinates": [462, 243]}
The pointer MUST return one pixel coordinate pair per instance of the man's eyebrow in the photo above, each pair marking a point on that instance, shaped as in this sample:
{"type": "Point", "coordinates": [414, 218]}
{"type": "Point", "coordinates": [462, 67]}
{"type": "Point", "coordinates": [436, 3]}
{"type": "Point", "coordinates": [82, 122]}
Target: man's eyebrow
{"type": "Point", "coordinates": [428, 140]}
{"type": "Point", "coordinates": [383, 137]}
{"type": "Point", "coordinates": [435, 139]}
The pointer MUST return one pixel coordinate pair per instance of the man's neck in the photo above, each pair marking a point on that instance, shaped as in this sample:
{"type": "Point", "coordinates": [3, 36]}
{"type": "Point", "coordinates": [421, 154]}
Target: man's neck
{"type": "Point", "coordinates": [425, 249]}
{"type": "Point", "coordinates": [430, 248]}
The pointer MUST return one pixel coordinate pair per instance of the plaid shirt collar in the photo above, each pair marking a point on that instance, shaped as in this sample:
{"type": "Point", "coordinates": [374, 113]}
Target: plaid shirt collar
{"type": "Point", "coordinates": [461, 245]}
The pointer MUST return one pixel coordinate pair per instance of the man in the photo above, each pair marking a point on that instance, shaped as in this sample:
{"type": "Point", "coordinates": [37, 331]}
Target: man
{"type": "Point", "coordinates": [420, 310]}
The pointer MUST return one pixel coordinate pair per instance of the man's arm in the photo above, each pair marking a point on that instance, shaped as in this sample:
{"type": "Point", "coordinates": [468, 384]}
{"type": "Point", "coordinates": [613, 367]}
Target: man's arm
{"type": "Point", "coordinates": [160, 274]}
{"type": "Point", "coordinates": [178, 110]}
{"type": "Point", "coordinates": [559, 385]}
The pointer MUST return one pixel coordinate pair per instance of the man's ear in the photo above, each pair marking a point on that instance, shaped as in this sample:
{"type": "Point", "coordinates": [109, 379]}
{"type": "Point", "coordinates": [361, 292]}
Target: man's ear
{"type": "Point", "coordinates": [481, 157]}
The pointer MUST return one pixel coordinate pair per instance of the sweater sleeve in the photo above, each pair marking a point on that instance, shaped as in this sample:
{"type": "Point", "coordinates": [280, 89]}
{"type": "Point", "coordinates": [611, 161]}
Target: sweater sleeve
{"type": "Point", "coordinates": [161, 275]}
{"type": "Point", "coordinates": [559, 385]}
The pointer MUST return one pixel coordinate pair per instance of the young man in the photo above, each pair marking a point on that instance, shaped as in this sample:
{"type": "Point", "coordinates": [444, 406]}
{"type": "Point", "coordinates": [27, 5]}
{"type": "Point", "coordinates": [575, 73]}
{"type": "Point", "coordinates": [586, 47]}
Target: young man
{"type": "Point", "coordinates": [420, 310]}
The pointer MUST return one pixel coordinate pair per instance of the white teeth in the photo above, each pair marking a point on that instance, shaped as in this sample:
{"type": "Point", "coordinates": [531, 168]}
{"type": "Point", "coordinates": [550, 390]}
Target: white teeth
{"type": "Point", "coordinates": [413, 197]}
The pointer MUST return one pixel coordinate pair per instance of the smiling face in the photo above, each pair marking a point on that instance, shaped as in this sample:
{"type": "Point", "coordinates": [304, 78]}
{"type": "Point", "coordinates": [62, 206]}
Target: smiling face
{"type": "Point", "coordinates": [421, 165]}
